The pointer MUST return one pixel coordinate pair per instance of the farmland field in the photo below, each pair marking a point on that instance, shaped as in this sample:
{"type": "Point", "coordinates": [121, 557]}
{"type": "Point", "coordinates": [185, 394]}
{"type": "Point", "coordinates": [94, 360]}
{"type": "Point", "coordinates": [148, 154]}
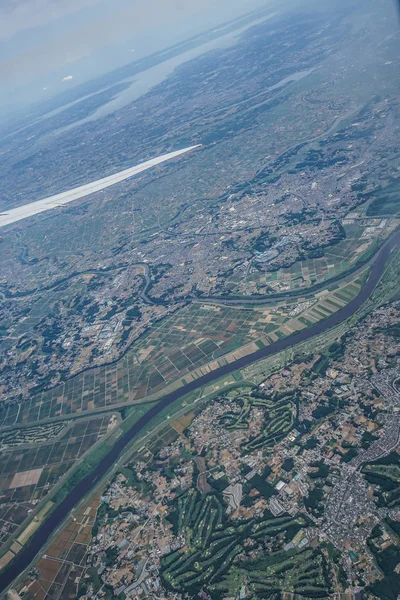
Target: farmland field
{"type": "Point", "coordinates": [65, 559]}
{"type": "Point", "coordinates": [361, 236]}
{"type": "Point", "coordinates": [29, 473]}
{"type": "Point", "coordinates": [200, 336]}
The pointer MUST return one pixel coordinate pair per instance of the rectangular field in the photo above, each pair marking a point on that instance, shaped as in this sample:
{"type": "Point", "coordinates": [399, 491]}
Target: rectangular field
{"type": "Point", "coordinates": [26, 478]}
{"type": "Point", "coordinates": [27, 474]}
{"type": "Point", "coordinates": [193, 341]}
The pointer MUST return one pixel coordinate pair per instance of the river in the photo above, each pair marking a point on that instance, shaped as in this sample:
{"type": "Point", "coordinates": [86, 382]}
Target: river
{"type": "Point", "coordinates": [55, 519]}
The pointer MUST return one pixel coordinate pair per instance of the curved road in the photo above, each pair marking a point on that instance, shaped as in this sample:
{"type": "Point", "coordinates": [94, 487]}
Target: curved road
{"type": "Point", "coordinates": [29, 552]}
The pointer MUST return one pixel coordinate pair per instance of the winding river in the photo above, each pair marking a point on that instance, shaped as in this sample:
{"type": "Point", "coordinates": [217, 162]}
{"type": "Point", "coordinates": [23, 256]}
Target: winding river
{"type": "Point", "coordinates": [55, 519]}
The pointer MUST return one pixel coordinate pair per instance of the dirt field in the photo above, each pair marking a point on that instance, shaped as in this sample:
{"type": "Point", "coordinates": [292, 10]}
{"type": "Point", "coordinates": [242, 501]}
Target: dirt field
{"type": "Point", "coordinates": [24, 478]}
{"type": "Point", "coordinates": [183, 422]}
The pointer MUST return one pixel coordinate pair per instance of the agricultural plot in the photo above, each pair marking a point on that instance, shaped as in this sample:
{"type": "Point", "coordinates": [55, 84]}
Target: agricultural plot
{"type": "Point", "coordinates": [27, 474]}
{"type": "Point", "coordinates": [212, 542]}
{"type": "Point", "coordinates": [64, 563]}
{"type": "Point", "coordinates": [337, 259]}
{"type": "Point", "coordinates": [278, 419]}
{"type": "Point", "coordinates": [173, 347]}
{"type": "Point", "coordinates": [198, 338]}
{"type": "Point", "coordinates": [31, 435]}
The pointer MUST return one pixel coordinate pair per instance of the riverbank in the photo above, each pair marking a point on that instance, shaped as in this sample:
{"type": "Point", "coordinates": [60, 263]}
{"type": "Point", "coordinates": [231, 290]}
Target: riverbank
{"type": "Point", "coordinates": [83, 487]}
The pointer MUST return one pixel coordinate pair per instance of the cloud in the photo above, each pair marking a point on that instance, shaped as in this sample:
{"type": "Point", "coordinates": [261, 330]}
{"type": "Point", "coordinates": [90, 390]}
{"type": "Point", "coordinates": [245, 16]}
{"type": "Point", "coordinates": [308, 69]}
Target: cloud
{"type": "Point", "coordinates": [19, 15]}
{"type": "Point", "coordinates": [68, 78]}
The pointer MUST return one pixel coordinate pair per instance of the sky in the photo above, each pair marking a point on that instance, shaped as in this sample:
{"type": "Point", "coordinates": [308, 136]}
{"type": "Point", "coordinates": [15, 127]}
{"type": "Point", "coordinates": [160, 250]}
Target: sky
{"type": "Point", "coordinates": [48, 45]}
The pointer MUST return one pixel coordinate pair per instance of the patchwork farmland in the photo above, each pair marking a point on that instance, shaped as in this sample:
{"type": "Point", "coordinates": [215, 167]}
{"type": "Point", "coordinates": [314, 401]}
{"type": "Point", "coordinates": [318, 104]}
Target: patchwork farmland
{"type": "Point", "coordinates": [207, 561]}
{"type": "Point", "coordinates": [29, 472]}
{"type": "Point", "coordinates": [199, 338]}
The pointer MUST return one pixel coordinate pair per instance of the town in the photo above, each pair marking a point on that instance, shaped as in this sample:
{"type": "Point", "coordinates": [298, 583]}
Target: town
{"type": "Point", "coordinates": [337, 421]}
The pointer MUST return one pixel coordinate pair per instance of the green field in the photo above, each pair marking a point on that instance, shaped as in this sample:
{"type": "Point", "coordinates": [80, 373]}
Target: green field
{"type": "Point", "coordinates": [212, 541]}
{"type": "Point", "coordinates": [302, 573]}
{"type": "Point", "coordinates": [386, 201]}
{"type": "Point", "coordinates": [277, 418]}
{"type": "Point", "coordinates": [385, 473]}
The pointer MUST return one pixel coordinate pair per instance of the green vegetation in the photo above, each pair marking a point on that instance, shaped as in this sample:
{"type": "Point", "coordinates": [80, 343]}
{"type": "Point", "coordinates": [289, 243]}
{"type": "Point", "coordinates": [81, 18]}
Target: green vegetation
{"type": "Point", "coordinates": [323, 470]}
{"type": "Point", "coordinates": [278, 418]}
{"type": "Point", "coordinates": [259, 483]}
{"type": "Point", "coordinates": [337, 349]}
{"type": "Point", "coordinates": [314, 501]}
{"type": "Point", "coordinates": [86, 466]}
{"type": "Point", "coordinates": [385, 473]}
{"type": "Point", "coordinates": [367, 439]}
{"type": "Point", "coordinates": [393, 526]}
{"type": "Point", "coordinates": [387, 560]}
{"type": "Point", "coordinates": [94, 578]}
{"type": "Point", "coordinates": [386, 200]}
{"type": "Point", "coordinates": [311, 443]}
{"type": "Point", "coordinates": [323, 410]}
{"type": "Point", "coordinates": [212, 542]}
{"type": "Point", "coordinates": [349, 455]}
{"type": "Point", "coordinates": [288, 465]}
{"type": "Point", "coordinates": [302, 573]}
{"type": "Point", "coordinates": [393, 330]}
{"type": "Point", "coordinates": [321, 365]}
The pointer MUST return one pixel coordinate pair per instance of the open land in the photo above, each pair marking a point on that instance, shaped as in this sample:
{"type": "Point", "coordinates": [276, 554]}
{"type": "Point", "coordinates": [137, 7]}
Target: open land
{"type": "Point", "coordinates": [31, 469]}
{"type": "Point", "coordinates": [198, 339]}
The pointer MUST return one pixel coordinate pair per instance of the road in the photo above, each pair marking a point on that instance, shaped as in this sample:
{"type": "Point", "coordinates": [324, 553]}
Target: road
{"type": "Point", "coordinates": [29, 552]}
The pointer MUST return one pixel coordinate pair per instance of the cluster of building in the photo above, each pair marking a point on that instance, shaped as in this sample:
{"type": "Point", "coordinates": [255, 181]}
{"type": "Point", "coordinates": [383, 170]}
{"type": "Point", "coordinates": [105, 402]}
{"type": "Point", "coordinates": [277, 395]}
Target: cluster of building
{"type": "Point", "coordinates": [308, 472]}
{"type": "Point", "coordinates": [222, 247]}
